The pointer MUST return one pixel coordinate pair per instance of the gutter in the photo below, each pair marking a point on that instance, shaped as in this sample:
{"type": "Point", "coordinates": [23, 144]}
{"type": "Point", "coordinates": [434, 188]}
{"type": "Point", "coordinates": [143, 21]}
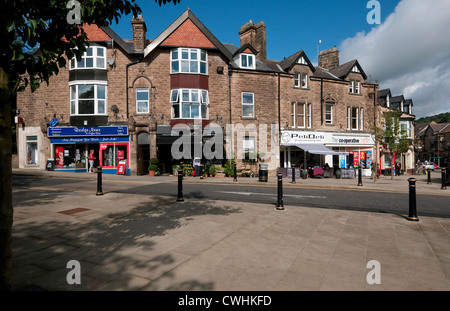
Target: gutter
{"type": "Point", "coordinates": [126, 80]}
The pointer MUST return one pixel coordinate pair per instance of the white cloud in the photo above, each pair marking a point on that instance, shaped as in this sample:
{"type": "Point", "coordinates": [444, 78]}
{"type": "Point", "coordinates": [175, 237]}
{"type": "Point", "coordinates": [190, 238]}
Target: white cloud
{"type": "Point", "coordinates": [409, 53]}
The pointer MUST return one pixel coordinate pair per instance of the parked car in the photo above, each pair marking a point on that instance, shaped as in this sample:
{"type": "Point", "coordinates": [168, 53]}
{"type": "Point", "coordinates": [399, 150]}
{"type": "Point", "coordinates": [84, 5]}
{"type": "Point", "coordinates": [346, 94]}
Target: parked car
{"type": "Point", "coordinates": [429, 165]}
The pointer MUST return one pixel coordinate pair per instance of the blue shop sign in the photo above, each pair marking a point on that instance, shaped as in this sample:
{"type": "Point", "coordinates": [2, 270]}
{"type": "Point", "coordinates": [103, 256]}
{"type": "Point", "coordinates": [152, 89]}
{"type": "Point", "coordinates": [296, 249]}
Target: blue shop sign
{"type": "Point", "coordinates": [53, 122]}
{"type": "Point", "coordinates": [88, 131]}
{"type": "Point", "coordinates": [88, 140]}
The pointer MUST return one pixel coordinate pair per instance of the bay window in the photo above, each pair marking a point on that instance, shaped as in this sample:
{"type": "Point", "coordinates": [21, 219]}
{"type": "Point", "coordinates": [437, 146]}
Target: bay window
{"type": "Point", "coordinates": [93, 58]}
{"type": "Point", "coordinates": [187, 60]}
{"type": "Point", "coordinates": [88, 99]}
{"type": "Point", "coordinates": [189, 103]}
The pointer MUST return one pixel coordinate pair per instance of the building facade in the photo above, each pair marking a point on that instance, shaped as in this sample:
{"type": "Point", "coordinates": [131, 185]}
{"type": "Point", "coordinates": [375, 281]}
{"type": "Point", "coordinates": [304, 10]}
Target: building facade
{"type": "Point", "coordinates": [175, 96]}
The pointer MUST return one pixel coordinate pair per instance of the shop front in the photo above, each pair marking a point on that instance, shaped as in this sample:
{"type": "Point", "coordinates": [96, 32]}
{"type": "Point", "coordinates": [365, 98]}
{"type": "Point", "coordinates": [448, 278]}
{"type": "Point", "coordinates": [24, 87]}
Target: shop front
{"type": "Point", "coordinates": [336, 150]}
{"type": "Point", "coordinates": [71, 146]}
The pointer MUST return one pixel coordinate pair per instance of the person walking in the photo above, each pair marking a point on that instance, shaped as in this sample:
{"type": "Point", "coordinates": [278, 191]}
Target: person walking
{"type": "Point", "coordinates": [196, 163]}
{"type": "Point", "coordinates": [91, 158]}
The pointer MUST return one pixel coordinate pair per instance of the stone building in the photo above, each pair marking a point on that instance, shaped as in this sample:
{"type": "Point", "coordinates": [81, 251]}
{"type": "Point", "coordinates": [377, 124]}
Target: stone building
{"type": "Point", "coordinates": [175, 96]}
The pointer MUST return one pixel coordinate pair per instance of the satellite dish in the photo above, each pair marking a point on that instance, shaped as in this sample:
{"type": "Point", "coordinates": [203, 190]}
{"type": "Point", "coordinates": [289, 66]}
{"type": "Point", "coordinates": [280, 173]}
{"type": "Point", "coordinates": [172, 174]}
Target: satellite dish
{"type": "Point", "coordinates": [111, 61]}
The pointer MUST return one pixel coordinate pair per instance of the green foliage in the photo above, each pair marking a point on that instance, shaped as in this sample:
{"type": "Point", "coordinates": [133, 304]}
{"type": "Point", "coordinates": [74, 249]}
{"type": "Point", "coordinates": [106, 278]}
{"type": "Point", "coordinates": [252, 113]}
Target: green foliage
{"type": "Point", "coordinates": [154, 161]}
{"type": "Point", "coordinates": [439, 118]}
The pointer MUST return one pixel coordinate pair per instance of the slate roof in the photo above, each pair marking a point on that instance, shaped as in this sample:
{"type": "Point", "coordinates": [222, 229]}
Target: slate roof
{"type": "Point", "coordinates": [343, 70]}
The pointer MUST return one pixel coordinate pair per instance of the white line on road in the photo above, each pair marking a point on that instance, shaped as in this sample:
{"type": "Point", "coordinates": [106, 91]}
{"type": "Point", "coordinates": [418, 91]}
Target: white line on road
{"type": "Point", "coordinates": [298, 196]}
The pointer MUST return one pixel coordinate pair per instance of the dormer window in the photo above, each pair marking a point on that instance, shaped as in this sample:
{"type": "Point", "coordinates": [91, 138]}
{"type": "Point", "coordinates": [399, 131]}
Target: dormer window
{"type": "Point", "coordinates": [247, 61]}
{"type": "Point", "coordinates": [302, 61]}
{"type": "Point", "coordinates": [93, 58]}
{"type": "Point", "coordinates": [355, 69]}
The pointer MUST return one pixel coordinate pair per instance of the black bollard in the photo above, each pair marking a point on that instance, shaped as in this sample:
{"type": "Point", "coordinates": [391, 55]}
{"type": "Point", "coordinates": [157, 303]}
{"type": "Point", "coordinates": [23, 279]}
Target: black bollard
{"type": "Point", "coordinates": [280, 205]}
{"type": "Point", "coordinates": [235, 173]}
{"type": "Point", "coordinates": [444, 179]}
{"type": "Point", "coordinates": [429, 177]}
{"type": "Point", "coordinates": [180, 186]}
{"type": "Point", "coordinates": [360, 176]}
{"type": "Point", "coordinates": [99, 181]}
{"type": "Point", "coordinates": [201, 171]}
{"type": "Point", "coordinates": [412, 200]}
{"type": "Point", "coordinates": [293, 175]}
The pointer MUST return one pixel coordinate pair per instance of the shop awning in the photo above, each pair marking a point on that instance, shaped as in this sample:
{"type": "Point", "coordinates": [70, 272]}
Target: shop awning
{"type": "Point", "coordinates": [316, 149]}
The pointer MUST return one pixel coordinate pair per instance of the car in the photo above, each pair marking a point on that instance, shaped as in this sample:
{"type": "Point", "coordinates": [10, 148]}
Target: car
{"type": "Point", "coordinates": [428, 165]}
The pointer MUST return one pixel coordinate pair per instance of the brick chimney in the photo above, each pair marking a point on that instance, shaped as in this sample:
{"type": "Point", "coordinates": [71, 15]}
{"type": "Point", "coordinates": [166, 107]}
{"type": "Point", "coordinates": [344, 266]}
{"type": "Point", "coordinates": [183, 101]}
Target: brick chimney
{"type": "Point", "coordinates": [329, 59]}
{"type": "Point", "coordinates": [255, 34]}
{"type": "Point", "coordinates": [139, 30]}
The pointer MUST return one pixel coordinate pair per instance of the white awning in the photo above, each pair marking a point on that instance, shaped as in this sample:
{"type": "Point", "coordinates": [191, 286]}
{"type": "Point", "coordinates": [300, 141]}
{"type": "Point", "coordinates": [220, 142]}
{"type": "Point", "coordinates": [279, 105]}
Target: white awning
{"type": "Point", "coordinates": [316, 149]}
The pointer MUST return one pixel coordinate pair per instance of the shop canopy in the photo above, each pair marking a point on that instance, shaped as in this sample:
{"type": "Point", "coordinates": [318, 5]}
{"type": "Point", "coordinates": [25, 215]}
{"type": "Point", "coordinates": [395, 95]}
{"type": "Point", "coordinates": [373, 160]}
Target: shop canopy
{"type": "Point", "coordinates": [316, 149]}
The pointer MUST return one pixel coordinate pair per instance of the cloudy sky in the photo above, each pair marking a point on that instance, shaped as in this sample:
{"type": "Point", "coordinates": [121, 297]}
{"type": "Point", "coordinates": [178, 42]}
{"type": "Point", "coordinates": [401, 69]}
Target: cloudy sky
{"type": "Point", "coordinates": [409, 53]}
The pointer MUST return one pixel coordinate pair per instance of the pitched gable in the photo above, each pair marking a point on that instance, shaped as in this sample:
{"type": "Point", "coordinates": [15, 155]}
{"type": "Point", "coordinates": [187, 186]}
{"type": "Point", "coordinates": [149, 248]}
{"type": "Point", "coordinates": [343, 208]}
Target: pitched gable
{"type": "Point", "coordinates": [188, 35]}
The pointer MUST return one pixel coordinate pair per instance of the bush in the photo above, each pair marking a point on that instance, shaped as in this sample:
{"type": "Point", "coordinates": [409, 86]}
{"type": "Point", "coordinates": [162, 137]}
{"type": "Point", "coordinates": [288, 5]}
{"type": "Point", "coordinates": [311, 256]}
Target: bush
{"type": "Point", "coordinates": [154, 161]}
{"type": "Point", "coordinates": [212, 170]}
{"type": "Point", "coordinates": [153, 167]}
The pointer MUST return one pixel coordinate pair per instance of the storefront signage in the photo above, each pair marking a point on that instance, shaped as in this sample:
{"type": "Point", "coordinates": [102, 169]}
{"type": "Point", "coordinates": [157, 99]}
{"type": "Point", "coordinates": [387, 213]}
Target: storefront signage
{"type": "Point", "coordinates": [88, 131]}
{"type": "Point", "coordinates": [53, 122]}
{"type": "Point", "coordinates": [88, 140]}
{"type": "Point", "coordinates": [336, 139]}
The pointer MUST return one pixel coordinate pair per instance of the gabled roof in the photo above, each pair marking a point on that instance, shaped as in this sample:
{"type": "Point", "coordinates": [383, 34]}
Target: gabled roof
{"type": "Point", "coordinates": [118, 40]}
{"type": "Point", "coordinates": [260, 66]}
{"type": "Point", "coordinates": [323, 73]}
{"type": "Point", "coordinates": [187, 15]}
{"type": "Point", "coordinates": [408, 102]}
{"type": "Point", "coordinates": [396, 99]}
{"type": "Point", "coordinates": [384, 93]}
{"type": "Point", "coordinates": [439, 127]}
{"type": "Point", "coordinates": [292, 60]}
{"type": "Point", "coordinates": [344, 70]}
{"type": "Point", "coordinates": [244, 48]}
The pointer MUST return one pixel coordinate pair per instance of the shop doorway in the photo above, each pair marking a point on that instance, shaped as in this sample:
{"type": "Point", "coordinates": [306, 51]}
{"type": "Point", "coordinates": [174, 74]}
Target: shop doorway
{"type": "Point", "coordinates": [96, 148]}
{"type": "Point", "coordinates": [143, 153]}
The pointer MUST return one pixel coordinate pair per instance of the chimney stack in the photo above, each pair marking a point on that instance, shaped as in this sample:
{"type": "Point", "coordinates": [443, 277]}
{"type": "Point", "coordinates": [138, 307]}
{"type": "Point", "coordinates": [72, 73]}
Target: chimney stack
{"type": "Point", "coordinates": [139, 31]}
{"type": "Point", "coordinates": [255, 34]}
{"type": "Point", "coordinates": [329, 59]}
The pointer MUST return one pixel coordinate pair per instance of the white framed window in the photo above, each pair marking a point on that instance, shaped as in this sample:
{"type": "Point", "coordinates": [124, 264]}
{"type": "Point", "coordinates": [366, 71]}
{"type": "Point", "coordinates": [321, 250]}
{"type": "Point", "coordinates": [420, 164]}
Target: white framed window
{"type": "Point", "coordinates": [406, 128]}
{"type": "Point", "coordinates": [249, 147]}
{"type": "Point", "coordinates": [187, 60]}
{"type": "Point", "coordinates": [248, 61]}
{"type": "Point", "coordinates": [142, 100]}
{"type": "Point", "coordinates": [329, 107]}
{"type": "Point", "coordinates": [93, 58]}
{"type": "Point", "coordinates": [32, 150]}
{"type": "Point", "coordinates": [88, 99]}
{"type": "Point", "coordinates": [354, 87]}
{"type": "Point", "coordinates": [248, 104]}
{"type": "Point", "coordinates": [300, 115]}
{"type": "Point", "coordinates": [355, 118]}
{"type": "Point", "coordinates": [189, 103]}
{"type": "Point", "coordinates": [301, 80]}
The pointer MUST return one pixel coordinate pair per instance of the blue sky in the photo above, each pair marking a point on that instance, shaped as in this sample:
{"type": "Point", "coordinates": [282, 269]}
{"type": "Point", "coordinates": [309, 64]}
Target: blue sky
{"type": "Point", "coordinates": [407, 53]}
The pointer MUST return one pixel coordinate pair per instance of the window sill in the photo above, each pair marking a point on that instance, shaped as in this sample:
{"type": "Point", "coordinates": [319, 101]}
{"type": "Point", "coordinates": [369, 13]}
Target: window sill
{"type": "Point", "coordinates": [248, 118]}
{"type": "Point", "coordinates": [301, 88]}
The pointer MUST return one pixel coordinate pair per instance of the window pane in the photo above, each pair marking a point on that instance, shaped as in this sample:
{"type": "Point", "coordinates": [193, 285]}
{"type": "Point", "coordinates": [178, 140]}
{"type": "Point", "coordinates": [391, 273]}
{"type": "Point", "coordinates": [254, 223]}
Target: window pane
{"type": "Point", "coordinates": [73, 92]}
{"type": "Point", "coordinates": [175, 66]}
{"type": "Point", "coordinates": [247, 110]}
{"type": "Point", "coordinates": [194, 96]}
{"type": "Point", "coordinates": [247, 98]}
{"type": "Point", "coordinates": [100, 62]}
{"type": "Point", "coordinates": [244, 60]}
{"type": "Point", "coordinates": [195, 112]}
{"type": "Point", "coordinates": [174, 96]}
{"type": "Point", "coordinates": [203, 56]}
{"type": "Point", "coordinates": [174, 54]}
{"type": "Point", "coordinates": [72, 107]}
{"type": "Point", "coordinates": [142, 94]}
{"type": "Point", "coordinates": [205, 97]}
{"type": "Point", "coordinates": [186, 111]}
{"type": "Point", "coordinates": [85, 91]}
{"type": "Point", "coordinates": [204, 111]}
{"type": "Point", "coordinates": [142, 106]}
{"type": "Point", "coordinates": [184, 66]}
{"type": "Point", "coordinates": [80, 64]}
{"type": "Point", "coordinates": [193, 67]}
{"type": "Point", "coordinates": [203, 68]}
{"type": "Point", "coordinates": [194, 55]}
{"type": "Point", "coordinates": [250, 61]}
{"type": "Point", "coordinates": [86, 107]}
{"type": "Point", "coordinates": [89, 62]}
{"type": "Point", "coordinates": [184, 54]}
{"type": "Point", "coordinates": [101, 107]}
{"type": "Point", "coordinates": [89, 52]}
{"type": "Point", "coordinates": [100, 52]}
{"type": "Point", "coordinates": [185, 97]}
{"type": "Point", "coordinates": [304, 80]}
{"type": "Point", "coordinates": [101, 92]}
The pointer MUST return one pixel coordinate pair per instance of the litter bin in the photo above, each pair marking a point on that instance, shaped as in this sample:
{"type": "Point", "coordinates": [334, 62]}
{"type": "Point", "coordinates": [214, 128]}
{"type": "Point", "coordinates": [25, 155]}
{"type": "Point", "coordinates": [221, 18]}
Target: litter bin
{"type": "Point", "coordinates": [50, 166]}
{"type": "Point", "coordinates": [263, 172]}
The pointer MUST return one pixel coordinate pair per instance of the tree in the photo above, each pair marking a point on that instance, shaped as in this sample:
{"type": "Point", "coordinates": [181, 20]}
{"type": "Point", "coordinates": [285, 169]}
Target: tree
{"type": "Point", "coordinates": [395, 137]}
{"type": "Point", "coordinates": [38, 36]}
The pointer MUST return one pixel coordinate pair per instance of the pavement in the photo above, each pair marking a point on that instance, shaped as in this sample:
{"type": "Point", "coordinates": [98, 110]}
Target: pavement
{"type": "Point", "coordinates": [131, 242]}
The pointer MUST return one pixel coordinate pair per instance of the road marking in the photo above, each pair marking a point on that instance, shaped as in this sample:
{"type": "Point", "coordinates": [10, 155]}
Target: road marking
{"type": "Point", "coordinates": [298, 196]}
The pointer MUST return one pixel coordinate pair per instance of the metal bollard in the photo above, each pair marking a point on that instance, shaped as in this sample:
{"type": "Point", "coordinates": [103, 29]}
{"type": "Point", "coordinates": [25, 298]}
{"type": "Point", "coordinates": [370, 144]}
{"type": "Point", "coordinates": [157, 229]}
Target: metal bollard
{"type": "Point", "coordinates": [444, 179]}
{"type": "Point", "coordinates": [293, 175]}
{"type": "Point", "coordinates": [428, 176]}
{"type": "Point", "coordinates": [235, 173]}
{"type": "Point", "coordinates": [360, 176]}
{"type": "Point", "coordinates": [280, 205]}
{"type": "Point", "coordinates": [180, 186]}
{"type": "Point", "coordinates": [99, 181]}
{"type": "Point", "coordinates": [201, 171]}
{"type": "Point", "coordinates": [412, 200]}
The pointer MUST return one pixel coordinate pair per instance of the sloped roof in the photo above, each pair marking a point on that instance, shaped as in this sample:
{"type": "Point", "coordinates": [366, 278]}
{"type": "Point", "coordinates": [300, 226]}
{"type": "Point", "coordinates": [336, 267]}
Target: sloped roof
{"type": "Point", "coordinates": [287, 63]}
{"type": "Point", "coordinates": [260, 66]}
{"type": "Point", "coordinates": [177, 23]}
{"type": "Point", "coordinates": [384, 93]}
{"type": "Point", "coordinates": [344, 70]}
{"type": "Point", "coordinates": [323, 73]}
{"type": "Point", "coordinates": [396, 99]}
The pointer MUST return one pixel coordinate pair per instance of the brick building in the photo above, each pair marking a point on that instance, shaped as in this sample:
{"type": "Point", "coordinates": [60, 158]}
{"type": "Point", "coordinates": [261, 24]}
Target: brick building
{"type": "Point", "coordinates": [132, 100]}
